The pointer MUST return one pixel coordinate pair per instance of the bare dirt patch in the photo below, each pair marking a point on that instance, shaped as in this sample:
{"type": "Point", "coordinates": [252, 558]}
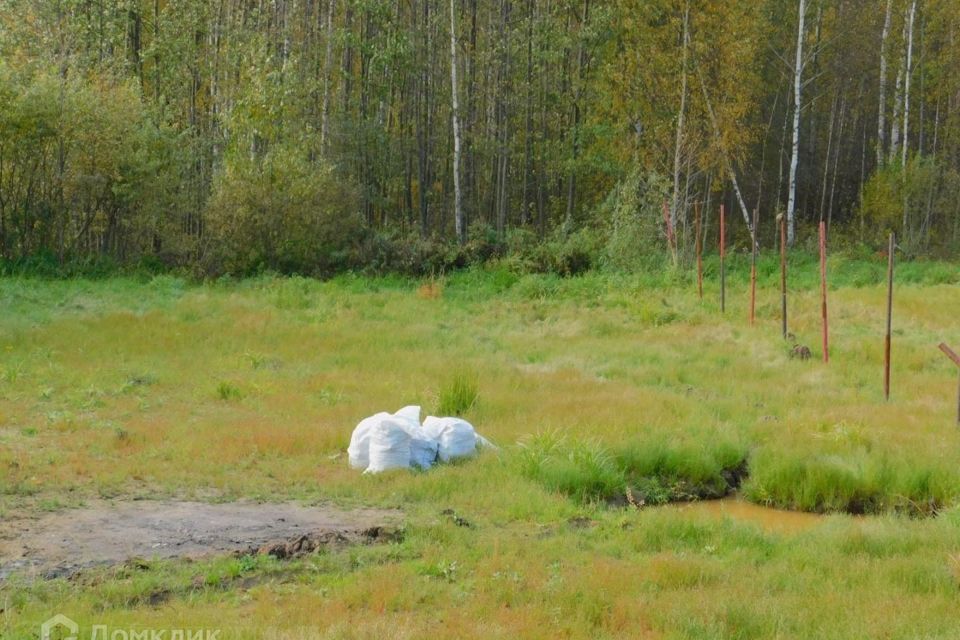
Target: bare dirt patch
{"type": "Point", "coordinates": [104, 533]}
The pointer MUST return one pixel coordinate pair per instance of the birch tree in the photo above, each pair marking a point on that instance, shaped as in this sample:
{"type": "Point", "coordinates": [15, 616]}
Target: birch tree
{"type": "Point", "coordinates": [906, 82]}
{"type": "Point", "coordinates": [898, 103]}
{"type": "Point", "coordinates": [327, 61]}
{"type": "Point", "coordinates": [795, 154]}
{"type": "Point", "coordinates": [681, 114]}
{"type": "Point", "coordinates": [455, 116]}
{"type": "Point", "coordinates": [882, 111]}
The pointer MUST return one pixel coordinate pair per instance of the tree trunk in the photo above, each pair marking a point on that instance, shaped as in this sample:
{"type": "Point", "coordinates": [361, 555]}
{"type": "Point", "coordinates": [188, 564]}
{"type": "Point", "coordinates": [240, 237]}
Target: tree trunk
{"type": "Point", "coordinates": [325, 105]}
{"type": "Point", "coordinates": [528, 122]}
{"type": "Point", "coordinates": [906, 84]}
{"type": "Point", "coordinates": [882, 111]}
{"type": "Point", "coordinates": [795, 157]}
{"type": "Point", "coordinates": [897, 106]}
{"type": "Point", "coordinates": [678, 145]}
{"type": "Point", "coordinates": [575, 128]}
{"type": "Point", "coordinates": [455, 116]}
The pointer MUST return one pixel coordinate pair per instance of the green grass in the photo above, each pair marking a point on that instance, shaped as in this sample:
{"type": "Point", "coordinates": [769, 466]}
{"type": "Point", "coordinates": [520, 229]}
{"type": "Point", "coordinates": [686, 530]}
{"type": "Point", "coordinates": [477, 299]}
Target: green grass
{"type": "Point", "coordinates": [458, 396]}
{"type": "Point", "coordinates": [122, 388]}
{"type": "Point", "coordinates": [655, 472]}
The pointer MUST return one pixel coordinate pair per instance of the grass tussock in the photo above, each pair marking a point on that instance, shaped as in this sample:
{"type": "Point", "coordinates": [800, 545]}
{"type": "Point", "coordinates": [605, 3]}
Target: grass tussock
{"type": "Point", "coordinates": [458, 395]}
{"type": "Point", "coordinates": [654, 472]}
{"type": "Point", "coordinates": [229, 392]}
{"type": "Point", "coordinates": [855, 483]}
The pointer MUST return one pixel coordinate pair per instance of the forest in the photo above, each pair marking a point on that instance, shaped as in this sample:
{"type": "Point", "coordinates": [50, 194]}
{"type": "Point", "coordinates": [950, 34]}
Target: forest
{"type": "Point", "coordinates": [316, 136]}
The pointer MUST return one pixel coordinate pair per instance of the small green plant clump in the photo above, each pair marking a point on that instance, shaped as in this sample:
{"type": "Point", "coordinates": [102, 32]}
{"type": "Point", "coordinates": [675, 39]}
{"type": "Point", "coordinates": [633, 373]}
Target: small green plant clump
{"type": "Point", "coordinates": [458, 396]}
{"type": "Point", "coordinates": [228, 391]}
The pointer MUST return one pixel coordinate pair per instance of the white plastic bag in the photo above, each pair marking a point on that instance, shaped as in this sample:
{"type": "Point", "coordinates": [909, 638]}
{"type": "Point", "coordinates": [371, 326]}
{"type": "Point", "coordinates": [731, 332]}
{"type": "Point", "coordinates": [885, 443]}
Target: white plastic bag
{"type": "Point", "coordinates": [359, 449]}
{"type": "Point", "coordinates": [389, 445]}
{"type": "Point", "coordinates": [411, 413]}
{"type": "Point", "coordinates": [423, 449]}
{"type": "Point", "coordinates": [456, 438]}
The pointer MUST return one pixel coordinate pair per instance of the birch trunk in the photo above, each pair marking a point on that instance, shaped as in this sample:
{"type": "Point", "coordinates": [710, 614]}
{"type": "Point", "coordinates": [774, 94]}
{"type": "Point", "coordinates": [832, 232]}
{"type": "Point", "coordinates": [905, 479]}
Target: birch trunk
{"type": "Point", "coordinates": [795, 154]}
{"type": "Point", "coordinates": [881, 117]}
{"type": "Point", "coordinates": [455, 116]}
{"type": "Point", "coordinates": [897, 106]}
{"type": "Point", "coordinates": [677, 150]}
{"type": "Point", "coordinates": [325, 105]}
{"type": "Point", "coordinates": [906, 82]}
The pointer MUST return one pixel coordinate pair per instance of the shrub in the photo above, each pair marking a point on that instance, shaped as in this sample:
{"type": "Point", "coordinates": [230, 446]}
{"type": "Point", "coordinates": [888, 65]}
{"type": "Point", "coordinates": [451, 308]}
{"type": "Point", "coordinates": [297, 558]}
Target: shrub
{"type": "Point", "coordinates": [410, 254]}
{"type": "Point", "coordinates": [281, 213]}
{"type": "Point", "coordinates": [632, 215]}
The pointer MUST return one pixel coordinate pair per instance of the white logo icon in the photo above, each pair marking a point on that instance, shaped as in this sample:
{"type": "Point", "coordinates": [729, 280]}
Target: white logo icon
{"type": "Point", "coordinates": [59, 620]}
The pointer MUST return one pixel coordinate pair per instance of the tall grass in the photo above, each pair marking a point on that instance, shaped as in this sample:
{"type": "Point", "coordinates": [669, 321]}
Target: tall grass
{"type": "Point", "coordinates": [654, 471]}
{"type": "Point", "coordinates": [858, 484]}
{"type": "Point", "coordinates": [458, 395]}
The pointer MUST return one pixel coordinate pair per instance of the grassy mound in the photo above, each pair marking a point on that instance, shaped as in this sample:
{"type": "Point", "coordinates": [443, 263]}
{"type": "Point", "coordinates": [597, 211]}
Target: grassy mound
{"type": "Point", "coordinates": [654, 472]}
{"type": "Point", "coordinates": [857, 484]}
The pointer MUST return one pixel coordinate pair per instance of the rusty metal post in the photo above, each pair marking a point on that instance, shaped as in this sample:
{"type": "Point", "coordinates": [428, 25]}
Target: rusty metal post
{"type": "Point", "coordinates": [723, 253]}
{"type": "Point", "coordinates": [886, 344]}
{"type": "Point", "coordinates": [783, 275]}
{"type": "Point", "coordinates": [956, 360]}
{"type": "Point", "coordinates": [699, 244]}
{"type": "Point", "coordinates": [753, 269]}
{"type": "Point", "coordinates": [823, 290]}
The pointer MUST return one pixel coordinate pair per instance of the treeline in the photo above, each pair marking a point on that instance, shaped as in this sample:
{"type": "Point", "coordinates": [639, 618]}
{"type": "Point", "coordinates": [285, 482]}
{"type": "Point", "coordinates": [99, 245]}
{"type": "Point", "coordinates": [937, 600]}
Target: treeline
{"type": "Point", "coordinates": [317, 135]}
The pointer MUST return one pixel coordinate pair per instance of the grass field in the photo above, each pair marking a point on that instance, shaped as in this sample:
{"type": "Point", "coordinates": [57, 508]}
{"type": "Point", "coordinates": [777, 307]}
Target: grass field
{"type": "Point", "coordinates": [127, 388]}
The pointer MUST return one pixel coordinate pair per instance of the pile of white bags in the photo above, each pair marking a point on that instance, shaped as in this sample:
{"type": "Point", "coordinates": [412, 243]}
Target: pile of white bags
{"type": "Point", "coordinates": [398, 441]}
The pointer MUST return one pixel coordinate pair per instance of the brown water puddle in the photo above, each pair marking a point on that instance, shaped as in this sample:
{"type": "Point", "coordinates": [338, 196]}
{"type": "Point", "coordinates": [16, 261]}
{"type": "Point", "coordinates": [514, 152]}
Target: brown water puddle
{"type": "Point", "coordinates": [735, 508]}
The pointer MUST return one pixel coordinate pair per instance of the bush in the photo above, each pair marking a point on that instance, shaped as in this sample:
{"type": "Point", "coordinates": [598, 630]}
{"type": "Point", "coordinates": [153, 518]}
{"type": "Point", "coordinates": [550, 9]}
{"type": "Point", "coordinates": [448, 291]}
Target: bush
{"type": "Point", "coordinates": [632, 214]}
{"type": "Point", "coordinates": [563, 254]}
{"type": "Point", "coordinates": [409, 254]}
{"type": "Point", "coordinates": [282, 213]}
{"type": "Point", "coordinates": [924, 189]}
{"type": "Point", "coordinates": [101, 204]}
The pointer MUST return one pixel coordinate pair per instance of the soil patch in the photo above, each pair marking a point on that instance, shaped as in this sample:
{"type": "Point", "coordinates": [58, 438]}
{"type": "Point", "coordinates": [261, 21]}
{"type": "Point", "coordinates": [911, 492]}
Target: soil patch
{"type": "Point", "coordinates": [103, 533]}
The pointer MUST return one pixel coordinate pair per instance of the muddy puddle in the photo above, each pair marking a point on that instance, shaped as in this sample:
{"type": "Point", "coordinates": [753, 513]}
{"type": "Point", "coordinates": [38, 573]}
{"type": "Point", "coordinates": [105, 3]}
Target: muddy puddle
{"type": "Point", "coordinates": [738, 509]}
{"type": "Point", "coordinates": [62, 543]}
